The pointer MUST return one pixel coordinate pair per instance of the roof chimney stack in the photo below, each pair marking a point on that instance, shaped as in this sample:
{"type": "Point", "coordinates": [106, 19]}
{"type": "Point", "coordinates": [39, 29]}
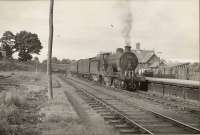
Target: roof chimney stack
{"type": "Point", "coordinates": [137, 46]}
{"type": "Point", "coordinates": [127, 48]}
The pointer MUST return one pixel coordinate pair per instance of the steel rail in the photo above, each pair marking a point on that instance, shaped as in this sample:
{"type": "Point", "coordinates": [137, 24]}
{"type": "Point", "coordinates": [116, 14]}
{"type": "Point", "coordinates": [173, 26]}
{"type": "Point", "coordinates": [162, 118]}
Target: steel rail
{"type": "Point", "coordinates": [176, 122]}
{"type": "Point", "coordinates": [117, 111]}
{"type": "Point", "coordinates": [192, 129]}
{"type": "Point", "coordinates": [113, 109]}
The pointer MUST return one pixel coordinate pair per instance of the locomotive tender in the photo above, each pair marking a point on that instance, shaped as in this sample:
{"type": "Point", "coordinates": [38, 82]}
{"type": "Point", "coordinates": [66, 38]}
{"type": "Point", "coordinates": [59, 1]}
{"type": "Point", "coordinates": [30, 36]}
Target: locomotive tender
{"type": "Point", "coordinates": [116, 70]}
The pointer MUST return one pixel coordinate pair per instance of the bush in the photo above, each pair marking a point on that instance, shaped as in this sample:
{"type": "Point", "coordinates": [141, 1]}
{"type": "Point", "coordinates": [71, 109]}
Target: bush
{"type": "Point", "coordinates": [14, 65]}
{"type": "Point", "coordinates": [14, 98]}
{"type": "Point", "coordinates": [13, 119]}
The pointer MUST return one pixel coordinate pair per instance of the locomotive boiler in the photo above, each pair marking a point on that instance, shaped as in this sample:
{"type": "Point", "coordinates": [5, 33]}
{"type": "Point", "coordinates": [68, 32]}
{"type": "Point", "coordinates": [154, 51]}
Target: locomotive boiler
{"type": "Point", "coordinates": [112, 69]}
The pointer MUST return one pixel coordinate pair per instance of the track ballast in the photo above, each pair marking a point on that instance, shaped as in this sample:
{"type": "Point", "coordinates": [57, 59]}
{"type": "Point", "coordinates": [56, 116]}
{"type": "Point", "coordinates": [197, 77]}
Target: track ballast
{"type": "Point", "coordinates": [129, 119]}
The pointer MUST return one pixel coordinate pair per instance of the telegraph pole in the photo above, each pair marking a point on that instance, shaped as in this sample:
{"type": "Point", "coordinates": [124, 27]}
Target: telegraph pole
{"type": "Point", "coordinates": [50, 42]}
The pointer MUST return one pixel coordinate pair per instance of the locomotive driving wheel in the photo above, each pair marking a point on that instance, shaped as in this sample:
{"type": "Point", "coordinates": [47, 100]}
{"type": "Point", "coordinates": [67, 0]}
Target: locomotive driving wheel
{"type": "Point", "coordinates": [116, 83]}
{"type": "Point", "coordinates": [128, 85]}
{"type": "Point", "coordinates": [132, 85]}
{"type": "Point", "coordinates": [123, 85]}
{"type": "Point", "coordinates": [107, 81]}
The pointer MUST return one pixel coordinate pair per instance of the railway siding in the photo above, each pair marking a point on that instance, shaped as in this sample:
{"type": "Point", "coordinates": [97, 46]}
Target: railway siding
{"type": "Point", "coordinates": [186, 90]}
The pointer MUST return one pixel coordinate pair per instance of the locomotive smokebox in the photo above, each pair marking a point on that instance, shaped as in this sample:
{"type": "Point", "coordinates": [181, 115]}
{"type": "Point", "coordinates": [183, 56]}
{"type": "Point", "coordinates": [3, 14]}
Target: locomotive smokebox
{"type": "Point", "coordinates": [119, 50]}
{"type": "Point", "coordinates": [127, 48]}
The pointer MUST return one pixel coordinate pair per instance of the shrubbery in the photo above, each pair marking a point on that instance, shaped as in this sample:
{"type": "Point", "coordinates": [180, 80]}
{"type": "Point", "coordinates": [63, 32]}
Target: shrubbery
{"type": "Point", "coordinates": [13, 116]}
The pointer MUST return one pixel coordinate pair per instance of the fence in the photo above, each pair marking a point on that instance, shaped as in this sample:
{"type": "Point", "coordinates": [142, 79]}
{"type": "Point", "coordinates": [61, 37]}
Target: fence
{"type": "Point", "coordinates": [189, 72]}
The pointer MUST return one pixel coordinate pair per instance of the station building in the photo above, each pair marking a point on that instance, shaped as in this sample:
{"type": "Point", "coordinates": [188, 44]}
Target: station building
{"type": "Point", "coordinates": [148, 60]}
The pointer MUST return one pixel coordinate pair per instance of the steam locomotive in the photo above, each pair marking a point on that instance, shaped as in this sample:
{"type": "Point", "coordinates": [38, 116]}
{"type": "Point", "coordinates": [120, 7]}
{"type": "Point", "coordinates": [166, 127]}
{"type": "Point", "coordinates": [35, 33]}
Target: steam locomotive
{"type": "Point", "coordinates": [111, 69]}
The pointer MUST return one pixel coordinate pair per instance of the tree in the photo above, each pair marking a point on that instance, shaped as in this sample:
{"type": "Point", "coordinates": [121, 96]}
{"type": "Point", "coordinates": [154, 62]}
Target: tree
{"type": "Point", "coordinates": [55, 60]}
{"type": "Point", "coordinates": [27, 43]}
{"type": "Point", "coordinates": [44, 62]}
{"type": "Point", "coordinates": [8, 43]}
{"type": "Point", "coordinates": [36, 59]}
{"type": "Point", "coordinates": [65, 61]}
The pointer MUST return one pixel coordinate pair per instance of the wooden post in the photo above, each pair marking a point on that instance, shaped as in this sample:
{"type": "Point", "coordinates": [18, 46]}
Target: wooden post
{"type": "Point", "coordinates": [36, 66]}
{"type": "Point", "coordinates": [49, 73]}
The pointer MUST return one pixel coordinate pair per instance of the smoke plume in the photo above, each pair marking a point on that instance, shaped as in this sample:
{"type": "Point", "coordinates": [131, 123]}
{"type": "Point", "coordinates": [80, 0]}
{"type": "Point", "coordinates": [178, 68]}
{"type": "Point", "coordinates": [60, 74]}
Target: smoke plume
{"type": "Point", "coordinates": [127, 19]}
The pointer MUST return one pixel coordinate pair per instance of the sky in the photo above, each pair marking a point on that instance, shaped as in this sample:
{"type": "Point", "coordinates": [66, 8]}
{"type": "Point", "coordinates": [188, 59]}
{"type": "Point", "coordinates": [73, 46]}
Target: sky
{"type": "Point", "coordinates": [83, 28]}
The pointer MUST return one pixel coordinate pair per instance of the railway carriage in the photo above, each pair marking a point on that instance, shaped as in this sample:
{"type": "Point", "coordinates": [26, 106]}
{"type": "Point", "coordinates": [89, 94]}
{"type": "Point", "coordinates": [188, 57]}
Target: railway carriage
{"type": "Point", "coordinates": [83, 69]}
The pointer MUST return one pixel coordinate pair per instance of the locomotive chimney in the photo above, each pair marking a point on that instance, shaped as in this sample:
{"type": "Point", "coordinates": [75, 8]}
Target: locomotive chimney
{"type": "Point", "coordinates": [127, 48]}
{"type": "Point", "coordinates": [138, 46]}
{"type": "Point", "coordinates": [119, 50]}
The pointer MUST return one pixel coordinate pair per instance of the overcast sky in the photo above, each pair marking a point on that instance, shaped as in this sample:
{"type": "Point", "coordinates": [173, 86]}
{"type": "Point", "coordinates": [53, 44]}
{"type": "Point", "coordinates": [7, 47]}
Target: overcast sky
{"type": "Point", "coordinates": [84, 28]}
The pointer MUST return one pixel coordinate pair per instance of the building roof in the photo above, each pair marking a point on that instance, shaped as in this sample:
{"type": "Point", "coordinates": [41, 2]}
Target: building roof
{"type": "Point", "coordinates": [155, 64]}
{"type": "Point", "coordinates": [143, 55]}
{"type": "Point", "coordinates": [177, 64]}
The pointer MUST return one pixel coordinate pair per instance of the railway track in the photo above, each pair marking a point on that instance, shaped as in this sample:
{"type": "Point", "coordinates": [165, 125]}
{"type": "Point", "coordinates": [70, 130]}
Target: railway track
{"type": "Point", "coordinates": [188, 107]}
{"type": "Point", "coordinates": [177, 104]}
{"type": "Point", "coordinates": [130, 119]}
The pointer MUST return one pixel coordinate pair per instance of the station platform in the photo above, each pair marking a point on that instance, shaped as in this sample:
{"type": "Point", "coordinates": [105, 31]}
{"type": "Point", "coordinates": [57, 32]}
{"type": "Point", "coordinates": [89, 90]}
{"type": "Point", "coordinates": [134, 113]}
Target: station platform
{"type": "Point", "coordinates": [175, 81]}
{"type": "Point", "coordinates": [186, 90]}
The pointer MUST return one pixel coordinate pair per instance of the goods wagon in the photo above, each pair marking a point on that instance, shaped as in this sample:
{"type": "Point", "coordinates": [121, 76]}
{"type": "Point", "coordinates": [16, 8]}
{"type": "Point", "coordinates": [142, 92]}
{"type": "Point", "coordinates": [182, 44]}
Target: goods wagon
{"type": "Point", "coordinates": [84, 66]}
{"type": "Point", "coordinates": [74, 67]}
{"type": "Point", "coordinates": [94, 66]}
